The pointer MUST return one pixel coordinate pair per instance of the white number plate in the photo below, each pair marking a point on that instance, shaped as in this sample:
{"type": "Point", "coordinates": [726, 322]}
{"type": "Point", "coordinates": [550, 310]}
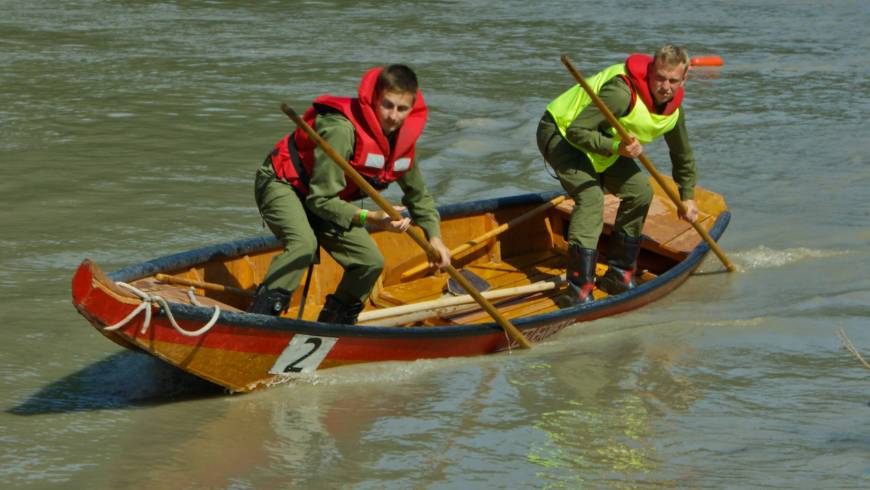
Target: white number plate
{"type": "Point", "coordinates": [303, 354]}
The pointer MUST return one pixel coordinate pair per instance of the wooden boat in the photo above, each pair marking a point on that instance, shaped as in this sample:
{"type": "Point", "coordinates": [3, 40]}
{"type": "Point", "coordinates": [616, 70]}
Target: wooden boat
{"type": "Point", "coordinates": [515, 244]}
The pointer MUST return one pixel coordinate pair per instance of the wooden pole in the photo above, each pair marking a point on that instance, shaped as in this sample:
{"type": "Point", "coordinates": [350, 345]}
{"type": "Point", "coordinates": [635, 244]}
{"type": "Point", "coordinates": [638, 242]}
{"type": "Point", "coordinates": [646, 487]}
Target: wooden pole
{"type": "Point", "coordinates": [435, 305]}
{"type": "Point", "coordinates": [475, 242]}
{"type": "Point", "coordinates": [514, 333]}
{"type": "Point", "coordinates": [647, 163]}
{"type": "Point", "coordinates": [211, 286]}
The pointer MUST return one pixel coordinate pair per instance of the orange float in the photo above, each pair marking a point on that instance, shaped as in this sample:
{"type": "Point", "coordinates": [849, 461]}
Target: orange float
{"type": "Point", "coordinates": [706, 61]}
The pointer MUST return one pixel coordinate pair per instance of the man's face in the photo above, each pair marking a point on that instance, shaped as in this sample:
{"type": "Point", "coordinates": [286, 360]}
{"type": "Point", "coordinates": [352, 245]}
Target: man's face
{"type": "Point", "coordinates": [666, 80]}
{"type": "Point", "coordinates": [392, 109]}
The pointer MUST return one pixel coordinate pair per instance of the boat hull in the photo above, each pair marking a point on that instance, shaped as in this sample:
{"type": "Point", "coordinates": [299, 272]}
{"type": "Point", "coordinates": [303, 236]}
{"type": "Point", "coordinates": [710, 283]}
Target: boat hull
{"type": "Point", "coordinates": [244, 352]}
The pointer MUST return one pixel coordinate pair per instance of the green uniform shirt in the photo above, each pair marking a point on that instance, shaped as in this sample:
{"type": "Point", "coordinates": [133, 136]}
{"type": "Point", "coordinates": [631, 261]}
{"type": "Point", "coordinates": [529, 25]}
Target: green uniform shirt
{"type": "Point", "coordinates": [328, 180]}
{"type": "Point", "coordinates": [587, 132]}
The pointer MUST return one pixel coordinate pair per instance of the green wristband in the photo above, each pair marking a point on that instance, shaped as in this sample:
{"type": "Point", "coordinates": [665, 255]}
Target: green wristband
{"type": "Point", "coordinates": [362, 216]}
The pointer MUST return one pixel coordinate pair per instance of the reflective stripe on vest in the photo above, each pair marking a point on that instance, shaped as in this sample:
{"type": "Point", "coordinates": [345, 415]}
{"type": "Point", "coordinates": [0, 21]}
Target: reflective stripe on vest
{"type": "Point", "coordinates": [378, 159]}
{"type": "Point", "coordinates": [640, 122]}
{"type": "Point", "coordinates": [374, 160]}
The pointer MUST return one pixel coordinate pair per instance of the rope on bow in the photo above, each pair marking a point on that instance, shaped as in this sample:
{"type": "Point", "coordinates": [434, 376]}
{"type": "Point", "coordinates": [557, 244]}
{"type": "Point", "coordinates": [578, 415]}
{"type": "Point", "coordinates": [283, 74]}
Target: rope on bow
{"type": "Point", "coordinates": [148, 300]}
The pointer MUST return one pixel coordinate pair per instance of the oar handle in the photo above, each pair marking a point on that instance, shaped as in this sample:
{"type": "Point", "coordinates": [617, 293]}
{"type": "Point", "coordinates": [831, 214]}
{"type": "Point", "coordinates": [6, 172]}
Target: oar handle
{"type": "Point", "coordinates": [412, 232]}
{"type": "Point", "coordinates": [647, 163]}
{"type": "Point", "coordinates": [475, 243]}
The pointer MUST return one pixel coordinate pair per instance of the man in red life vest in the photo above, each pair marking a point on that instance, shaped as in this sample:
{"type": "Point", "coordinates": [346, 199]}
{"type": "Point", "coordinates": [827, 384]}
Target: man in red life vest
{"type": "Point", "coordinates": [577, 141]}
{"type": "Point", "coordinates": [305, 199]}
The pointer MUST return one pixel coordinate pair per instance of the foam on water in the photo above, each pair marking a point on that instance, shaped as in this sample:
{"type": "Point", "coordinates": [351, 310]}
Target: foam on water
{"type": "Point", "coordinates": [764, 257]}
{"type": "Point", "coordinates": [375, 373]}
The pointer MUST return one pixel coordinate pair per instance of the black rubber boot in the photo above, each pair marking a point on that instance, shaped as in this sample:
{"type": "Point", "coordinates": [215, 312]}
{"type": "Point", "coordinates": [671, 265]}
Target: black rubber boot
{"type": "Point", "coordinates": [336, 311]}
{"type": "Point", "coordinates": [622, 262]}
{"type": "Point", "coordinates": [270, 301]}
{"type": "Point", "coordinates": [581, 273]}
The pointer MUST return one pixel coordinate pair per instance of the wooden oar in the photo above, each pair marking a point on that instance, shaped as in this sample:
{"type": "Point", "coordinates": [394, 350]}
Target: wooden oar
{"type": "Point", "coordinates": [433, 307]}
{"type": "Point", "coordinates": [363, 184]}
{"type": "Point", "coordinates": [211, 286]}
{"type": "Point", "coordinates": [395, 321]}
{"type": "Point", "coordinates": [647, 163]}
{"type": "Point", "coordinates": [476, 242]}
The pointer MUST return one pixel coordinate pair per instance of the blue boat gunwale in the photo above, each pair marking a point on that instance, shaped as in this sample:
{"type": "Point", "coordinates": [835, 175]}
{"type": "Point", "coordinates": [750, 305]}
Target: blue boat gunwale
{"type": "Point", "coordinates": [236, 248]}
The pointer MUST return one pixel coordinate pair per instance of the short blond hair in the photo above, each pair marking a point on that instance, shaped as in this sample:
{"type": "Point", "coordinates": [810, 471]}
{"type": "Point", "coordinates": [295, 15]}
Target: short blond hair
{"type": "Point", "coordinates": [672, 55]}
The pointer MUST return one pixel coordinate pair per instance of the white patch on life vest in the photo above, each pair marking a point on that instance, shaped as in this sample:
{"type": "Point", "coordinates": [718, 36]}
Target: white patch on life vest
{"type": "Point", "coordinates": [375, 161]}
{"type": "Point", "coordinates": [402, 164]}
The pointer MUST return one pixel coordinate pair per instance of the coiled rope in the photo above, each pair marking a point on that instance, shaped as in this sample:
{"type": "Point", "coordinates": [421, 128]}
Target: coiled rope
{"type": "Point", "coordinates": [148, 300]}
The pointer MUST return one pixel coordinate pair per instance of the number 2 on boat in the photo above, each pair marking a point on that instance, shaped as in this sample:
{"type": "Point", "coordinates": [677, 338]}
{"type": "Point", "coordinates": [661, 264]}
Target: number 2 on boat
{"type": "Point", "coordinates": [303, 354]}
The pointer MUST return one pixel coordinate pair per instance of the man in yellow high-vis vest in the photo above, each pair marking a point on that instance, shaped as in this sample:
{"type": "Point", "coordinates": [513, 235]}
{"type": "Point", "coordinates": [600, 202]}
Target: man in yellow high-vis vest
{"type": "Point", "coordinates": [645, 94]}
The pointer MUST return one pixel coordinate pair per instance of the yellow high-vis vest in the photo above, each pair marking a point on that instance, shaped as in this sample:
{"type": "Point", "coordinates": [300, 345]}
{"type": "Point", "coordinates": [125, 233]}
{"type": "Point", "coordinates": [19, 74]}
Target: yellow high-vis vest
{"type": "Point", "coordinates": [640, 122]}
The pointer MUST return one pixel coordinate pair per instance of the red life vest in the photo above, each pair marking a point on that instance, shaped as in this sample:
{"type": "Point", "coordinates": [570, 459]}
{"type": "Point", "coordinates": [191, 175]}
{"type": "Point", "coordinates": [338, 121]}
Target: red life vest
{"type": "Point", "coordinates": [373, 157]}
{"type": "Point", "coordinates": [637, 67]}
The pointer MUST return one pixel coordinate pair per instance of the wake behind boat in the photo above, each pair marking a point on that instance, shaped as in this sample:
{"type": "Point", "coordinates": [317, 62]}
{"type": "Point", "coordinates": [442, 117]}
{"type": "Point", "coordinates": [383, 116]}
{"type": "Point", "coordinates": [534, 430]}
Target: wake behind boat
{"type": "Point", "coordinates": [188, 309]}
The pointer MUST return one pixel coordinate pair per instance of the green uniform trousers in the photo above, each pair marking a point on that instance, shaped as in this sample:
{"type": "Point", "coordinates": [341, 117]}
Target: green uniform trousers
{"type": "Point", "coordinates": [284, 213]}
{"type": "Point", "coordinates": [623, 179]}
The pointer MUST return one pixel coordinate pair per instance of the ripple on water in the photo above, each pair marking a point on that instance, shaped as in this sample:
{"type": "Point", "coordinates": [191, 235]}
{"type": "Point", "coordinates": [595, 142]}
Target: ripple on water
{"type": "Point", "coordinates": [767, 258]}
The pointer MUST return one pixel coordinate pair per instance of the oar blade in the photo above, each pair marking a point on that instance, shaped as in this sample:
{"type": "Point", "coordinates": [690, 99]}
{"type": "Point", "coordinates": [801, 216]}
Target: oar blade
{"type": "Point", "coordinates": [479, 283]}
